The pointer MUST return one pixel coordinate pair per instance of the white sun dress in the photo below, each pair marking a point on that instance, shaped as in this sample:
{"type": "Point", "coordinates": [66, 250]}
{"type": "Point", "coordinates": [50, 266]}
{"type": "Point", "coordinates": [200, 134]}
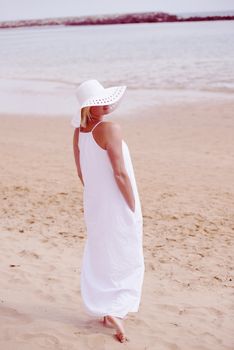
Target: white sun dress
{"type": "Point", "coordinates": [112, 268]}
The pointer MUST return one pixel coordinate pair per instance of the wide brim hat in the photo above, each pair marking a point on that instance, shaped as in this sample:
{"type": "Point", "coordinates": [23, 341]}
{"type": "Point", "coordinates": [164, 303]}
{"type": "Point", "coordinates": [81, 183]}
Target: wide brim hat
{"type": "Point", "coordinates": [92, 93]}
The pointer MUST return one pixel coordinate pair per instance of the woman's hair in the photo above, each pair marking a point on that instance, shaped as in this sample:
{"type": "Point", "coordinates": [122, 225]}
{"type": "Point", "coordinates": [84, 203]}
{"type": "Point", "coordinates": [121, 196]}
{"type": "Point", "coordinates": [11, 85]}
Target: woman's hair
{"type": "Point", "coordinates": [85, 115]}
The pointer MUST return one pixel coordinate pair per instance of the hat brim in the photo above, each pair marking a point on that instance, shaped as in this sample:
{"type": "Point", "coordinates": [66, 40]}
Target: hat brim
{"type": "Point", "coordinates": [109, 96]}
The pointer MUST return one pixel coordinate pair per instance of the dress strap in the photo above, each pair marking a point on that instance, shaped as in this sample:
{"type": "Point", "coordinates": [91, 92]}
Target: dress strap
{"type": "Point", "coordinates": [96, 125]}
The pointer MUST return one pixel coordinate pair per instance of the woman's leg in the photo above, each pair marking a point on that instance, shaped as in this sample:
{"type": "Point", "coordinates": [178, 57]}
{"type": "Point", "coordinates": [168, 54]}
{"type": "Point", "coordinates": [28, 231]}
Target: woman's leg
{"type": "Point", "coordinates": [117, 322]}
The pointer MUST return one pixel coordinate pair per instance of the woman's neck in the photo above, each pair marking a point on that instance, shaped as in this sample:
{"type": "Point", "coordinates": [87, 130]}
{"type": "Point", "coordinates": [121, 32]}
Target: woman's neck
{"type": "Point", "coordinates": [95, 119]}
{"type": "Point", "coordinates": [91, 123]}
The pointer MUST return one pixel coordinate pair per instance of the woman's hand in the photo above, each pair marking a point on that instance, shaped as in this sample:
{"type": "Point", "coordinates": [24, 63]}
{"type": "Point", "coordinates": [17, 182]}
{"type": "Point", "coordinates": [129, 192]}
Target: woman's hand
{"type": "Point", "coordinates": [132, 207]}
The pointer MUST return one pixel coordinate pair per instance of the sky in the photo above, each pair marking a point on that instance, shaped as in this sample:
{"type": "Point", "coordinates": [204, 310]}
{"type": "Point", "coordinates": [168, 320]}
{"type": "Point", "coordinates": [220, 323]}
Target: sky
{"type": "Point", "coordinates": [29, 9]}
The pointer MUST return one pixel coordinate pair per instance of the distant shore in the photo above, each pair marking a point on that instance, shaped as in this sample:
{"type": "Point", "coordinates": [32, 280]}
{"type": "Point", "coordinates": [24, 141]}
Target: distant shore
{"type": "Point", "coordinates": [146, 17]}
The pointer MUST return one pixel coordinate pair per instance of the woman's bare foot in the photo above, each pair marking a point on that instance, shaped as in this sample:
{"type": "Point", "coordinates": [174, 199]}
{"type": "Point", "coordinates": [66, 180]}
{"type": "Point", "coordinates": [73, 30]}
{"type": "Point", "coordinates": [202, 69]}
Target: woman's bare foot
{"type": "Point", "coordinates": [118, 325]}
{"type": "Point", "coordinates": [106, 322]}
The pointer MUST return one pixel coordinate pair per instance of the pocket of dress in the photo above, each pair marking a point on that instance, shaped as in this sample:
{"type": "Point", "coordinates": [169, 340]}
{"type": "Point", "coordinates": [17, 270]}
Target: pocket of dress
{"type": "Point", "coordinates": [132, 213]}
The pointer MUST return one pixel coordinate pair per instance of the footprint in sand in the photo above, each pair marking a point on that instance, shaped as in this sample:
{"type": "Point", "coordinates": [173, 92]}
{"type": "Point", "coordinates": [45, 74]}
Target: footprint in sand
{"type": "Point", "coordinates": [151, 266]}
{"type": "Point", "coordinates": [44, 296]}
{"type": "Point", "coordinates": [43, 339]}
{"type": "Point", "coordinates": [170, 308]}
{"type": "Point", "coordinates": [10, 313]}
{"type": "Point", "coordinates": [29, 254]}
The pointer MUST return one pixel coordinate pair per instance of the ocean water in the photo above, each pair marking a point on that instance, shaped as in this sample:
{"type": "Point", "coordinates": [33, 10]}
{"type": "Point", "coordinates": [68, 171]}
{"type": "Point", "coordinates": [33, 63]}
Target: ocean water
{"type": "Point", "coordinates": [40, 67]}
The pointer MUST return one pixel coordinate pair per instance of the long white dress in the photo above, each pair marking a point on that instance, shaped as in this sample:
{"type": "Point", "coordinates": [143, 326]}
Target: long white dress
{"type": "Point", "coordinates": [112, 268]}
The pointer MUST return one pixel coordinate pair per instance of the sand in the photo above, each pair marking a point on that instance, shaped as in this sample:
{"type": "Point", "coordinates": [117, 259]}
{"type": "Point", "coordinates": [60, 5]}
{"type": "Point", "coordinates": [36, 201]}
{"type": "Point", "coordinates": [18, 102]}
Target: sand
{"type": "Point", "coordinates": [183, 156]}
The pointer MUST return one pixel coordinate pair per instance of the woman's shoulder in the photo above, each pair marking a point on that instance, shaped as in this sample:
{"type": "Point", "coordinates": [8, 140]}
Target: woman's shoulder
{"type": "Point", "coordinates": [111, 131]}
{"type": "Point", "coordinates": [111, 125]}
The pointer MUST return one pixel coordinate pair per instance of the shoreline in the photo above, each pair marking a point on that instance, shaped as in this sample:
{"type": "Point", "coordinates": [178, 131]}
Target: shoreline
{"type": "Point", "coordinates": [52, 98]}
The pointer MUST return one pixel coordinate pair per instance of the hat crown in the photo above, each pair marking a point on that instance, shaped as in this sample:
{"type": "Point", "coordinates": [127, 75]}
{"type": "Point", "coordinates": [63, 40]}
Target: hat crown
{"type": "Point", "coordinates": [88, 89]}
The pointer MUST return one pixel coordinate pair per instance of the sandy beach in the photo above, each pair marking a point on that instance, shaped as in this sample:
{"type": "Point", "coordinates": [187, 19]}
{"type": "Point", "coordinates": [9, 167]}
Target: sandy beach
{"type": "Point", "coordinates": [183, 156]}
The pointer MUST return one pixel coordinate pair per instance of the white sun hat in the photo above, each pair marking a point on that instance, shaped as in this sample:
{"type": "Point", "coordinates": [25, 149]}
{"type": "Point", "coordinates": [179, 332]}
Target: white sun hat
{"type": "Point", "coordinates": [92, 93]}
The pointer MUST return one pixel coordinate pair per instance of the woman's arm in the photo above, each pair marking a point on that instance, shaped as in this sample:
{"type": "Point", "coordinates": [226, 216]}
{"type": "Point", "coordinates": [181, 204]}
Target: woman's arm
{"type": "Point", "coordinates": [114, 150]}
{"type": "Point", "coordinates": [77, 153]}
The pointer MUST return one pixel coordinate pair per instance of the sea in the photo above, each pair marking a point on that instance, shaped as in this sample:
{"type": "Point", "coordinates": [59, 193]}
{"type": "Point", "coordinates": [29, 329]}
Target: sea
{"type": "Point", "coordinates": [160, 63]}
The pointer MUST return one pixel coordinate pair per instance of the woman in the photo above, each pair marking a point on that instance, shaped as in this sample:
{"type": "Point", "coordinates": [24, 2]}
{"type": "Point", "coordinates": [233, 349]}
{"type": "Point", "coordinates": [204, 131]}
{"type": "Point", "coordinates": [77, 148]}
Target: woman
{"type": "Point", "coordinates": [113, 264]}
